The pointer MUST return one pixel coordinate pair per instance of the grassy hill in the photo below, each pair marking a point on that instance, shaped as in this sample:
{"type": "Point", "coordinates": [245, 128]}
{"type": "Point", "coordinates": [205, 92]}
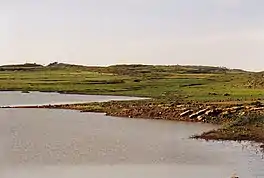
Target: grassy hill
{"type": "Point", "coordinates": [26, 66]}
{"type": "Point", "coordinates": [185, 82]}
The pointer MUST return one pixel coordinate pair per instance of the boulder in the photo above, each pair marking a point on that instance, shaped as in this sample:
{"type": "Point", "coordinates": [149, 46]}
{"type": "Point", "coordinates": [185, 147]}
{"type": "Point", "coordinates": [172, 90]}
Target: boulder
{"type": "Point", "coordinates": [242, 113]}
{"type": "Point", "coordinates": [233, 111]}
{"type": "Point", "coordinates": [248, 107]}
{"type": "Point", "coordinates": [213, 112]}
{"type": "Point", "coordinates": [225, 113]}
{"type": "Point", "coordinates": [257, 109]}
{"type": "Point", "coordinates": [237, 108]}
{"type": "Point", "coordinates": [200, 118]}
{"type": "Point", "coordinates": [186, 113]}
{"type": "Point", "coordinates": [180, 106]}
{"type": "Point", "coordinates": [194, 115]}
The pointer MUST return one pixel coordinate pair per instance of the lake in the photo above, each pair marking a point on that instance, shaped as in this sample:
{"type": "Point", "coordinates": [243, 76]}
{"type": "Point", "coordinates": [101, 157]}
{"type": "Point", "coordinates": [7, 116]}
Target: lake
{"type": "Point", "coordinates": [41, 143]}
{"type": "Point", "coordinates": [41, 98]}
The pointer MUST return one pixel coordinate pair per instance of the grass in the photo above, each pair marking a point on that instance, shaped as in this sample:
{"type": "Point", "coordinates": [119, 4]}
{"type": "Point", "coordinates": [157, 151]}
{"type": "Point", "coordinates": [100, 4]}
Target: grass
{"type": "Point", "coordinates": [249, 127]}
{"type": "Point", "coordinates": [136, 80]}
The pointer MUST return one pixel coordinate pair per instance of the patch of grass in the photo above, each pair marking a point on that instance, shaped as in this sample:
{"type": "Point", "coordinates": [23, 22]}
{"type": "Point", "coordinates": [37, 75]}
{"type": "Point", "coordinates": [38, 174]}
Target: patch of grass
{"type": "Point", "coordinates": [249, 127]}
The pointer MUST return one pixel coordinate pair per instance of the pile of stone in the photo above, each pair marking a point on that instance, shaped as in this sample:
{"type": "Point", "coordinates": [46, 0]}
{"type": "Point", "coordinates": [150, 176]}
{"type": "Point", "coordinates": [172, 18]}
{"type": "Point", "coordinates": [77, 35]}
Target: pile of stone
{"type": "Point", "coordinates": [203, 113]}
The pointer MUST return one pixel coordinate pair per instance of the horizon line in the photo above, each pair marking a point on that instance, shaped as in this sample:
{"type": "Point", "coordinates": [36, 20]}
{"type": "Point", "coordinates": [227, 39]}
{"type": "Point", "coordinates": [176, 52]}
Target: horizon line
{"type": "Point", "coordinates": [108, 65]}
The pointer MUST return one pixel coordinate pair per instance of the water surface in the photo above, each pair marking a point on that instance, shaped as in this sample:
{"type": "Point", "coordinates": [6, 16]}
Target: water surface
{"type": "Point", "coordinates": [41, 143]}
{"type": "Point", "coordinates": [8, 98]}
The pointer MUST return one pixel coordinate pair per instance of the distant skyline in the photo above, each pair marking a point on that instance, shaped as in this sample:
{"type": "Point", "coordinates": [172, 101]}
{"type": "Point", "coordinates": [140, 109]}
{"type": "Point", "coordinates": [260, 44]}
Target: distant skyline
{"type": "Point", "coordinates": [226, 33]}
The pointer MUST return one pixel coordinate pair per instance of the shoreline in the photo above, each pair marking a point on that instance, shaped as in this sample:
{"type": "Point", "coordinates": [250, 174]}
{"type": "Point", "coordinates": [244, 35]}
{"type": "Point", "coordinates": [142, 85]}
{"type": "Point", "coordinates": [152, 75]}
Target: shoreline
{"type": "Point", "coordinates": [137, 97]}
{"type": "Point", "coordinates": [239, 122]}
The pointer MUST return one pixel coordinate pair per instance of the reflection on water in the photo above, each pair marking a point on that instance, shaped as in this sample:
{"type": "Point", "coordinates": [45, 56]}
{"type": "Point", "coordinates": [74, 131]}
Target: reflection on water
{"type": "Point", "coordinates": [40, 98]}
{"type": "Point", "coordinates": [121, 171]}
{"type": "Point", "coordinates": [61, 143]}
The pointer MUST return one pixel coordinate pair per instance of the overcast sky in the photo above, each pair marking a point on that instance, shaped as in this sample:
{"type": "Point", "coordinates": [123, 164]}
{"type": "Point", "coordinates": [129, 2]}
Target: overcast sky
{"type": "Point", "coordinates": [102, 32]}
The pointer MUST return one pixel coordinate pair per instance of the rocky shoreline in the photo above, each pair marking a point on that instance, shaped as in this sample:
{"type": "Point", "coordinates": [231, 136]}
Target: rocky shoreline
{"type": "Point", "coordinates": [238, 121]}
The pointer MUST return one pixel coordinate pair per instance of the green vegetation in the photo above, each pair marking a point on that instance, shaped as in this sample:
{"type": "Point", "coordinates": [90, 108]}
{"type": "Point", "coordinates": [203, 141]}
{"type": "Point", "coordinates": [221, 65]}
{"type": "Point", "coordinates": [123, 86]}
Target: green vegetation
{"type": "Point", "coordinates": [173, 89]}
{"type": "Point", "coordinates": [249, 127]}
{"type": "Point", "coordinates": [192, 83]}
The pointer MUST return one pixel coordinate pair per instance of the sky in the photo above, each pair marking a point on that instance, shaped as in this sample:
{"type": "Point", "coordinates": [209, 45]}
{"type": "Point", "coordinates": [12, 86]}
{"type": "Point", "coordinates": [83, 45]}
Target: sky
{"type": "Point", "coordinates": [227, 33]}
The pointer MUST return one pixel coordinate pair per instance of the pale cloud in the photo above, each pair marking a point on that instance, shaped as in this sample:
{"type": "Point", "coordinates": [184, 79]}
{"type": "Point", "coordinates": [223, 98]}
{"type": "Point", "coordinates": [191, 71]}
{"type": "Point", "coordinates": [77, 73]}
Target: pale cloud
{"type": "Point", "coordinates": [205, 32]}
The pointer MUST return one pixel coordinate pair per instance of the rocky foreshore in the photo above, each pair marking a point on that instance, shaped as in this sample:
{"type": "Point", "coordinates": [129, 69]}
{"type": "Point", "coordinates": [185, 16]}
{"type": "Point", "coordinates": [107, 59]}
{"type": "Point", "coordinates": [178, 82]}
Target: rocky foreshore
{"type": "Point", "coordinates": [211, 113]}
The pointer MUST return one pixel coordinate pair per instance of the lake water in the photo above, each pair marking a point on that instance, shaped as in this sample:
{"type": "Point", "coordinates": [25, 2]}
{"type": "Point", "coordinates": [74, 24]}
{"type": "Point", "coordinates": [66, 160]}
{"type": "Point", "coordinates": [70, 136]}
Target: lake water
{"type": "Point", "coordinates": [42, 143]}
{"type": "Point", "coordinates": [41, 98]}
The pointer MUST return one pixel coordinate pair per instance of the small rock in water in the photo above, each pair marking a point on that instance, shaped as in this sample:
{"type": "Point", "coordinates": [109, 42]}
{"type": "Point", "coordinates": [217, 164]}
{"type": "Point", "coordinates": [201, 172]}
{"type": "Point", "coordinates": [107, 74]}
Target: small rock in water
{"type": "Point", "coordinates": [234, 176]}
